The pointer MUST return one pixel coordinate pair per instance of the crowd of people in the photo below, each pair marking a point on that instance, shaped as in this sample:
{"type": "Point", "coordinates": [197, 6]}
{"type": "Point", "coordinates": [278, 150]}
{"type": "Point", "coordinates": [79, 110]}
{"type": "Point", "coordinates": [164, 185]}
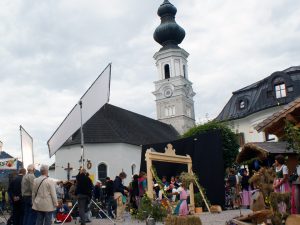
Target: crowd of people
{"type": "Point", "coordinates": [173, 191]}
{"type": "Point", "coordinates": [41, 200]}
{"type": "Point", "coordinates": [239, 190]}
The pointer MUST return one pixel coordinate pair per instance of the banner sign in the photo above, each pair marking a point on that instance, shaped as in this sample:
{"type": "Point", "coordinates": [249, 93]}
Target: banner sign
{"type": "Point", "coordinates": [93, 99]}
{"type": "Point", "coordinates": [8, 164]}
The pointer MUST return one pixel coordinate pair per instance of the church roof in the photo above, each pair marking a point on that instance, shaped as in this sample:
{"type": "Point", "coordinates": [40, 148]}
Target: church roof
{"type": "Point", "coordinates": [112, 124]}
{"type": "Point", "coordinates": [261, 95]}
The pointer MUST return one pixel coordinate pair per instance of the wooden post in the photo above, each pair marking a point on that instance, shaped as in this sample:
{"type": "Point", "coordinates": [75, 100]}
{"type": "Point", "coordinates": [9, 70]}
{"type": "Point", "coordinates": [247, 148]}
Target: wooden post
{"type": "Point", "coordinates": [192, 197]}
{"type": "Point", "coordinates": [149, 175]}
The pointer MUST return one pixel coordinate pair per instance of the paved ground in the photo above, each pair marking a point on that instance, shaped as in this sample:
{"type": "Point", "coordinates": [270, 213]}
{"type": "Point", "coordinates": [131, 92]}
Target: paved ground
{"type": "Point", "coordinates": [206, 218]}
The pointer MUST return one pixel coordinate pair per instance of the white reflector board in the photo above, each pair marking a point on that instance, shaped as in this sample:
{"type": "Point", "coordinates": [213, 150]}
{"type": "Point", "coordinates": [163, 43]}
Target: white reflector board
{"type": "Point", "coordinates": [26, 148]}
{"type": "Point", "coordinates": [93, 99]}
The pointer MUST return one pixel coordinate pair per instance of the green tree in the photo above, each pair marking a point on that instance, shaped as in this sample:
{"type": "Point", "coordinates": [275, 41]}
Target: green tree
{"type": "Point", "coordinates": [292, 136]}
{"type": "Point", "coordinates": [230, 145]}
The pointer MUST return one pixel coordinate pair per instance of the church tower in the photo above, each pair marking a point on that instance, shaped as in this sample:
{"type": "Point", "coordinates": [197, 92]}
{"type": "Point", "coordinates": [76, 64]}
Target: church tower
{"type": "Point", "coordinates": [173, 90]}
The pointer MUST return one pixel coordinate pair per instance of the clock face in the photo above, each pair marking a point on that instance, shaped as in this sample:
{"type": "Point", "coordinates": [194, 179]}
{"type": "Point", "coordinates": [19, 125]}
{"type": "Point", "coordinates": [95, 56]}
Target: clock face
{"type": "Point", "coordinates": [168, 93]}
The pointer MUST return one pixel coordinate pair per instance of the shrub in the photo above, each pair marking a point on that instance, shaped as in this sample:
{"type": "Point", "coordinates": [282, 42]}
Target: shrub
{"type": "Point", "coordinates": [148, 208]}
{"type": "Point", "coordinates": [230, 145]}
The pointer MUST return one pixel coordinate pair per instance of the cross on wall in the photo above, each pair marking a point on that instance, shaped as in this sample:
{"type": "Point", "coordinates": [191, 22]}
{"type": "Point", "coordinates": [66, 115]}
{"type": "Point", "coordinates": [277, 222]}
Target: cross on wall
{"type": "Point", "coordinates": [68, 169]}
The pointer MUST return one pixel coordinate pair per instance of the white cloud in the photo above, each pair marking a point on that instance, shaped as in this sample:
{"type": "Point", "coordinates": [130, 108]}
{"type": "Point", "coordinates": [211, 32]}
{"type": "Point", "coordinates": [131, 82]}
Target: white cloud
{"type": "Point", "coordinates": [51, 51]}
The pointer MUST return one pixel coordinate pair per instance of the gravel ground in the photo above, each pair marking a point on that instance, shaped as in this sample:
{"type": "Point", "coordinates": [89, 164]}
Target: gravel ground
{"type": "Point", "coordinates": [206, 218]}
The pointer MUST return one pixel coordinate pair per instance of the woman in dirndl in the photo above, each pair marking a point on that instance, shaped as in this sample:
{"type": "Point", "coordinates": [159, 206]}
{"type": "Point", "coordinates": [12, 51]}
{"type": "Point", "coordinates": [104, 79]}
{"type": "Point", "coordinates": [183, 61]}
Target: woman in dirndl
{"type": "Point", "coordinates": [246, 190]}
{"type": "Point", "coordinates": [281, 183]}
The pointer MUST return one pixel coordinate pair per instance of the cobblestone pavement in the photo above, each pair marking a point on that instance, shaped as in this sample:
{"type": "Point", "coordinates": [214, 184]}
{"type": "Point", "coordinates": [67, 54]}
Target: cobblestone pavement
{"type": "Point", "coordinates": [206, 218]}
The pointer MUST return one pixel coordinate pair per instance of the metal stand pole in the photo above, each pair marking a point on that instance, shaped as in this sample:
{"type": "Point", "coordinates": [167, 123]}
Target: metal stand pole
{"type": "Point", "coordinates": [81, 136]}
{"type": "Point", "coordinates": [69, 214]}
{"type": "Point", "coordinates": [103, 212]}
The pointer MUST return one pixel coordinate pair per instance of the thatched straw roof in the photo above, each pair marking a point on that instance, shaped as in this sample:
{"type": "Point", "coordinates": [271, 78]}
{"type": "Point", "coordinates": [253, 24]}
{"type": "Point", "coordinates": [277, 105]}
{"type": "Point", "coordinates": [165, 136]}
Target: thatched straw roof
{"type": "Point", "coordinates": [250, 151]}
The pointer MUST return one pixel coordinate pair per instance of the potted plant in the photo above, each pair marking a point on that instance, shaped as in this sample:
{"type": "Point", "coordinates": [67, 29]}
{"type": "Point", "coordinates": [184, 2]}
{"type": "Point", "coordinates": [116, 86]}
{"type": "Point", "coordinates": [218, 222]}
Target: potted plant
{"type": "Point", "coordinates": [198, 203]}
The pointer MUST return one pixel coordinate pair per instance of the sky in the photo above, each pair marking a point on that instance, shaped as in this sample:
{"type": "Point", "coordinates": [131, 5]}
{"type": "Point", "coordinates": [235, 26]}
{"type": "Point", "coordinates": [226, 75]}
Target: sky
{"type": "Point", "coordinates": [51, 52]}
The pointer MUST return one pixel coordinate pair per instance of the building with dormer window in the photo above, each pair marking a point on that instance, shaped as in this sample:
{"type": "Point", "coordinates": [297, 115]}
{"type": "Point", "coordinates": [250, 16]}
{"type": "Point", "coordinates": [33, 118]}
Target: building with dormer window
{"type": "Point", "coordinates": [251, 105]}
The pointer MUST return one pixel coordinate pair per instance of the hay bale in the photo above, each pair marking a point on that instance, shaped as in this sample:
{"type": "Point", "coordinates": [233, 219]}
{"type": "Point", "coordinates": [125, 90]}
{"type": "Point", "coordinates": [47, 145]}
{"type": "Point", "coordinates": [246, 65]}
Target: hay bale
{"type": "Point", "coordinates": [256, 217]}
{"type": "Point", "coordinates": [251, 151]}
{"type": "Point", "coordinates": [215, 209]}
{"type": "Point", "coordinates": [183, 220]}
{"type": "Point", "coordinates": [293, 220]}
{"type": "Point", "coordinates": [257, 201]}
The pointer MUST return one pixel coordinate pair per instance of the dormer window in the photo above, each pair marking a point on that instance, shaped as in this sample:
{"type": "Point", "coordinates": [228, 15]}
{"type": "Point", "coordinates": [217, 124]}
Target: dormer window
{"type": "Point", "coordinates": [167, 71]}
{"type": "Point", "coordinates": [242, 104]}
{"type": "Point", "coordinates": [280, 90]}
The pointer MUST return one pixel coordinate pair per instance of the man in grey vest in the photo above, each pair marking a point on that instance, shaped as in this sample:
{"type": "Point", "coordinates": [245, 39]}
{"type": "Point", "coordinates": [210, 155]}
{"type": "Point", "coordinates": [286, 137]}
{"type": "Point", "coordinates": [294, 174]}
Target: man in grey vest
{"type": "Point", "coordinates": [27, 184]}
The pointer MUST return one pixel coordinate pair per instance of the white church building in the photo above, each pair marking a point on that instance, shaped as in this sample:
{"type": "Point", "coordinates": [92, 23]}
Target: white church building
{"type": "Point", "coordinates": [251, 105]}
{"type": "Point", "coordinates": [113, 136]}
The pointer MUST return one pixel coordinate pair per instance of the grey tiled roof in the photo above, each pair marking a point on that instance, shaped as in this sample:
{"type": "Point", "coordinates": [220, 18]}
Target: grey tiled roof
{"type": "Point", "coordinates": [261, 95]}
{"type": "Point", "coordinates": [274, 147]}
{"type": "Point", "coordinates": [281, 114]}
{"type": "Point", "coordinates": [112, 124]}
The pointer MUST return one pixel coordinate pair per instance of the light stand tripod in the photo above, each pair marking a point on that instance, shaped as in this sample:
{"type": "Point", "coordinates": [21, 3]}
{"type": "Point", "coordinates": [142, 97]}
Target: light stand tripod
{"type": "Point", "coordinates": [82, 166]}
{"type": "Point", "coordinates": [69, 214]}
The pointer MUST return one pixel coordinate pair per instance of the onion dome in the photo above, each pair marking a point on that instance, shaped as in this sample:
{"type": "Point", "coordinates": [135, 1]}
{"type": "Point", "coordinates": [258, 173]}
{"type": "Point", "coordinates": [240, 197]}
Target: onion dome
{"type": "Point", "coordinates": [168, 33]}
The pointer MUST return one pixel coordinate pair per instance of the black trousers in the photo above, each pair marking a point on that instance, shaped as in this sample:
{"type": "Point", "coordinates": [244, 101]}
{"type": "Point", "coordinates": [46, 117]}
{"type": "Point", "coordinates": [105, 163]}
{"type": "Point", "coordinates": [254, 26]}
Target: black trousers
{"type": "Point", "coordinates": [18, 212]}
{"type": "Point", "coordinates": [83, 202]}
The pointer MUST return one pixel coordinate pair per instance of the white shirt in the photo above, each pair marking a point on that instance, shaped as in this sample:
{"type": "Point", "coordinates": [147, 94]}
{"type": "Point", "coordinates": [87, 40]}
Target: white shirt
{"type": "Point", "coordinates": [298, 170]}
{"type": "Point", "coordinates": [284, 169]}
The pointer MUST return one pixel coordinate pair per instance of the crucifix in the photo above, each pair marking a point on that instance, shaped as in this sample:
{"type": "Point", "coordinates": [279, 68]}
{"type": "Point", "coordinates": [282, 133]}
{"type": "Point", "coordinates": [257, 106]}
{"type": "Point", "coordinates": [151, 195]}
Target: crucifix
{"type": "Point", "coordinates": [68, 169]}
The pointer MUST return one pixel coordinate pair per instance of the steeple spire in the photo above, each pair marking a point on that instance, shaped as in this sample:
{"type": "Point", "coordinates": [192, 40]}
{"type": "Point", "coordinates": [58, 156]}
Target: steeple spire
{"type": "Point", "coordinates": [168, 34]}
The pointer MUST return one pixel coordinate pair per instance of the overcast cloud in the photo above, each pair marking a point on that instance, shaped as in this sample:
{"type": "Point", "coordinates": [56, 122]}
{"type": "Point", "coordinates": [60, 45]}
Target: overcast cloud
{"type": "Point", "coordinates": [51, 51]}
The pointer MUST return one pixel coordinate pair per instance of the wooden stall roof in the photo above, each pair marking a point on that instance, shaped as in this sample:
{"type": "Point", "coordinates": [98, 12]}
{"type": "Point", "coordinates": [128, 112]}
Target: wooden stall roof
{"type": "Point", "coordinates": [261, 150]}
{"type": "Point", "coordinates": [275, 123]}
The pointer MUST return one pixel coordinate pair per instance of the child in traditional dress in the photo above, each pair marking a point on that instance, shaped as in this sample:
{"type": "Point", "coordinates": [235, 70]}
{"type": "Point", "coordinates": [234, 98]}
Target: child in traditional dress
{"type": "Point", "coordinates": [182, 207]}
{"type": "Point", "coordinates": [62, 211]}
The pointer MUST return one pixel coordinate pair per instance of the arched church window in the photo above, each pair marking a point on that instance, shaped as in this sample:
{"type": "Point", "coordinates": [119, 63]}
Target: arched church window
{"type": "Point", "coordinates": [133, 169]}
{"type": "Point", "coordinates": [102, 171]}
{"type": "Point", "coordinates": [167, 71]}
